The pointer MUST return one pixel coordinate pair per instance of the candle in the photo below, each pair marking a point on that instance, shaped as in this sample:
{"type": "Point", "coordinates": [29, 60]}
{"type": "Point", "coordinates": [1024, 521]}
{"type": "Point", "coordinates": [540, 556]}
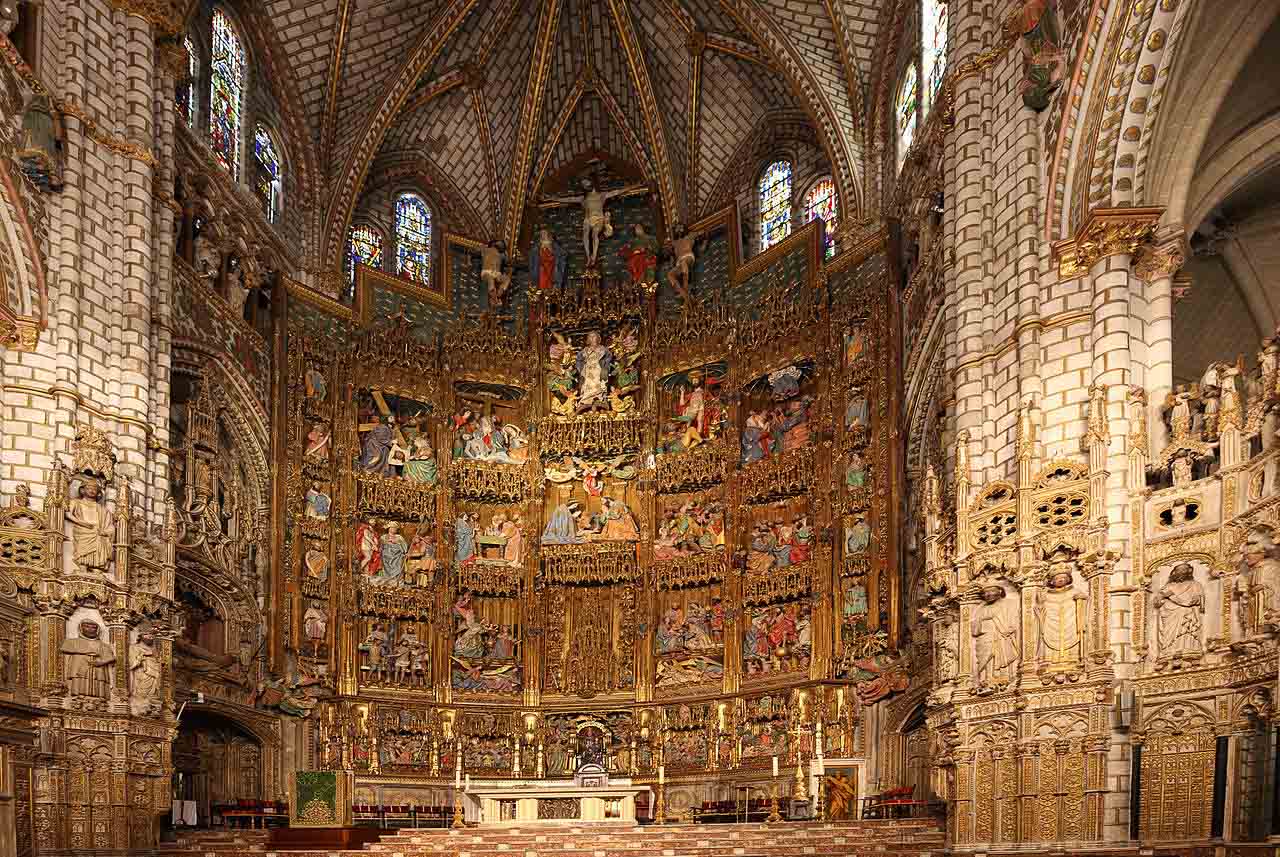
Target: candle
{"type": "Point", "coordinates": [457, 775]}
{"type": "Point", "coordinates": [662, 774]}
{"type": "Point", "coordinates": [822, 766]}
{"type": "Point", "coordinates": [775, 766]}
{"type": "Point", "coordinates": [468, 782]}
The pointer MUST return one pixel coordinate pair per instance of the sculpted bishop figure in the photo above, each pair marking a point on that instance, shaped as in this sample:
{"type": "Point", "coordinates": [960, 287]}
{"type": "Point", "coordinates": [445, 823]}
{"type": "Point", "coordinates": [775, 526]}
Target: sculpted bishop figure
{"type": "Point", "coordinates": [1060, 613]}
{"type": "Point", "coordinates": [93, 527]}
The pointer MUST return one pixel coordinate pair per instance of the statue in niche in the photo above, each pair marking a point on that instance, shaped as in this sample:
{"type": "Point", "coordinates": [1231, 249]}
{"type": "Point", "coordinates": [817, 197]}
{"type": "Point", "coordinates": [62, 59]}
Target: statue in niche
{"type": "Point", "coordinates": [546, 262]}
{"type": "Point", "coordinates": [495, 273]}
{"type": "Point", "coordinates": [317, 503]}
{"type": "Point", "coordinates": [595, 362]}
{"type": "Point", "coordinates": [1060, 613]}
{"type": "Point", "coordinates": [1263, 567]}
{"type": "Point", "coordinates": [641, 255]}
{"type": "Point", "coordinates": [89, 660]}
{"type": "Point", "coordinates": [144, 671]}
{"type": "Point", "coordinates": [995, 639]}
{"type": "Point", "coordinates": [315, 624]}
{"type": "Point", "coordinates": [1179, 607]}
{"type": "Point", "coordinates": [596, 222]}
{"type": "Point", "coordinates": [93, 527]}
{"type": "Point", "coordinates": [376, 647]}
{"type": "Point", "coordinates": [682, 247]}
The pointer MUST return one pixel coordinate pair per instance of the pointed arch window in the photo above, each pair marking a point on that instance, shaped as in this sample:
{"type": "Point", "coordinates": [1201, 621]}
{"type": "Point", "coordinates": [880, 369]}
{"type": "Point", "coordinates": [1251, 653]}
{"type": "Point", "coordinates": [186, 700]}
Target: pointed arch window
{"type": "Point", "coordinates": [413, 238]}
{"type": "Point", "coordinates": [364, 247]}
{"type": "Point", "coordinates": [820, 201]}
{"type": "Point", "coordinates": [226, 93]}
{"type": "Point", "coordinates": [907, 109]}
{"type": "Point", "coordinates": [775, 203]}
{"type": "Point", "coordinates": [268, 174]}
{"type": "Point", "coordinates": [933, 18]}
{"type": "Point", "coordinates": [186, 88]}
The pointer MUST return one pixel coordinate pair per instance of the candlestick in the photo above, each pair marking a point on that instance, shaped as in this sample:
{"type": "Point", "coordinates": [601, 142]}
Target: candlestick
{"type": "Point", "coordinates": [660, 803]}
{"type": "Point", "coordinates": [458, 820]}
{"type": "Point", "coordinates": [774, 815]}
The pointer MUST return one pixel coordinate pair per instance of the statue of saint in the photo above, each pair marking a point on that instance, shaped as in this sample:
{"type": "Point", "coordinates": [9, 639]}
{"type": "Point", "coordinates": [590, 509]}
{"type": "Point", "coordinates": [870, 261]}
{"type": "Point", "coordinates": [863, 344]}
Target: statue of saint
{"type": "Point", "coordinates": [89, 660]}
{"type": "Point", "coordinates": [93, 527]}
{"type": "Point", "coordinates": [1060, 612]}
{"type": "Point", "coordinates": [546, 262]}
{"type": "Point", "coordinates": [1263, 568]}
{"type": "Point", "coordinates": [1179, 607]}
{"type": "Point", "coordinates": [995, 639]}
{"type": "Point", "coordinates": [144, 669]}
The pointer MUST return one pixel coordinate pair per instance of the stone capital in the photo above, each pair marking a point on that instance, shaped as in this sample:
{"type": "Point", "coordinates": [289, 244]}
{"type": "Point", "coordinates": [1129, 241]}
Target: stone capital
{"type": "Point", "coordinates": [1106, 232]}
{"type": "Point", "coordinates": [1155, 262]}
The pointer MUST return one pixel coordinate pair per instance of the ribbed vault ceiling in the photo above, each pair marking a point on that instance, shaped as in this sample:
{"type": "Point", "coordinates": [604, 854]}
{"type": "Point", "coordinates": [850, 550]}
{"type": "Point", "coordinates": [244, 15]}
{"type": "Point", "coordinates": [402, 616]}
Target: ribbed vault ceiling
{"type": "Point", "coordinates": [490, 97]}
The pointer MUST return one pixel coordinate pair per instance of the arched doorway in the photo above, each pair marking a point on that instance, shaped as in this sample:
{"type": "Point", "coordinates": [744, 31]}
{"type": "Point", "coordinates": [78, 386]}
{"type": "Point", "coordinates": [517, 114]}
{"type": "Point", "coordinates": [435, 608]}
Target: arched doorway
{"type": "Point", "coordinates": [216, 762]}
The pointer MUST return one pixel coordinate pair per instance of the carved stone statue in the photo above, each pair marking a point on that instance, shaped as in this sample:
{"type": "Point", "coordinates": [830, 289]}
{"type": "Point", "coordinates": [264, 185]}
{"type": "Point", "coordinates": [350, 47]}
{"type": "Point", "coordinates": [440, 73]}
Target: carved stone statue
{"type": "Point", "coordinates": [962, 454]}
{"type": "Point", "coordinates": [1179, 608]}
{"type": "Point", "coordinates": [1098, 430]}
{"type": "Point", "coordinates": [995, 639]}
{"type": "Point", "coordinates": [1178, 408]}
{"type": "Point", "coordinates": [1136, 405]}
{"type": "Point", "coordinates": [1060, 614]}
{"type": "Point", "coordinates": [144, 669]}
{"type": "Point", "coordinates": [89, 660]}
{"type": "Point", "coordinates": [93, 527]}
{"type": "Point", "coordinates": [1263, 567]}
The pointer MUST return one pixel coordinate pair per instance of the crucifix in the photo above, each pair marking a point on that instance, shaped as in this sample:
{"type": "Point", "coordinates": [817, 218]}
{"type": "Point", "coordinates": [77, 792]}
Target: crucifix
{"type": "Point", "coordinates": [595, 220]}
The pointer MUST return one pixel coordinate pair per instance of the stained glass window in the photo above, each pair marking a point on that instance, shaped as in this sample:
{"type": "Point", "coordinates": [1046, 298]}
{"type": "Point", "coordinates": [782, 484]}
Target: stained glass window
{"type": "Point", "coordinates": [934, 48]}
{"type": "Point", "coordinates": [226, 93]}
{"type": "Point", "coordinates": [775, 204]}
{"type": "Point", "coordinates": [186, 89]}
{"type": "Point", "coordinates": [267, 178]}
{"type": "Point", "coordinates": [413, 238]}
{"type": "Point", "coordinates": [908, 102]}
{"type": "Point", "coordinates": [820, 201]}
{"type": "Point", "coordinates": [364, 247]}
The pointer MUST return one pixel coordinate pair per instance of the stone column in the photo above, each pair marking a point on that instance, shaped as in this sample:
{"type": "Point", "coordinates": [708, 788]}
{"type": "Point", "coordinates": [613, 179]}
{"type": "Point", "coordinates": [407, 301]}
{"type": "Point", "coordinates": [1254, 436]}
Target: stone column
{"type": "Point", "coordinates": [1155, 267]}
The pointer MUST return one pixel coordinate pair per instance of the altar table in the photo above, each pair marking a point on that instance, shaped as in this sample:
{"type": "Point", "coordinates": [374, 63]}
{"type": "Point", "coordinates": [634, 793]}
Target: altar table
{"type": "Point", "coordinates": [552, 803]}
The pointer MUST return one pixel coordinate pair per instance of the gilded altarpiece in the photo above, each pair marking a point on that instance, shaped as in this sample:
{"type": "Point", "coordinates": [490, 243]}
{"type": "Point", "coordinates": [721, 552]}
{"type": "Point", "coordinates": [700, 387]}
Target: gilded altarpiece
{"type": "Point", "coordinates": [599, 531]}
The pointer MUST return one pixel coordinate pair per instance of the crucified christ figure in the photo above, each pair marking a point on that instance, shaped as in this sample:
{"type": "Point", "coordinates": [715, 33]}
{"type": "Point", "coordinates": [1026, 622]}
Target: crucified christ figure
{"type": "Point", "coordinates": [595, 220]}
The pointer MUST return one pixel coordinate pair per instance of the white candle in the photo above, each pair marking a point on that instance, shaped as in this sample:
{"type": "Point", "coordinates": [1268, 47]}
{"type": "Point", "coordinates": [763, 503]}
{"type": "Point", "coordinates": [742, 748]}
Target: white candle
{"type": "Point", "coordinates": [775, 766]}
{"type": "Point", "coordinates": [468, 782]}
{"type": "Point", "coordinates": [662, 774]}
{"type": "Point", "coordinates": [822, 766]}
{"type": "Point", "coordinates": [457, 774]}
